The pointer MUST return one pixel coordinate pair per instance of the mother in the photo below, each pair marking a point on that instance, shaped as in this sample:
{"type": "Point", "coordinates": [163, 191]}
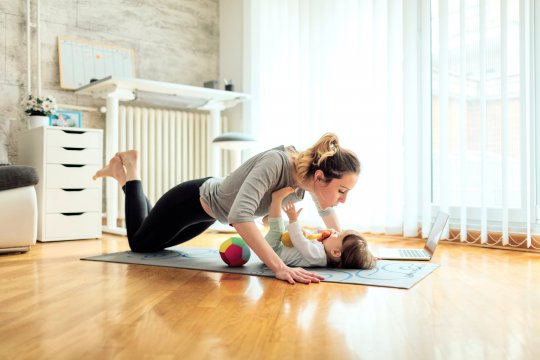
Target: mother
{"type": "Point", "coordinates": [326, 170]}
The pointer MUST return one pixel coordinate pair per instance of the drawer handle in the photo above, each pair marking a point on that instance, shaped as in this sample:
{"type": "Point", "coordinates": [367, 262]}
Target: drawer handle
{"type": "Point", "coordinates": [72, 165]}
{"type": "Point", "coordinates": [72, 148]}
{"type": "Point", "coordinates": [73, 132]}
{"type": "Point", "coordinates": [72, 214]}
{"type": "Point", "coordinates": [73, 189]}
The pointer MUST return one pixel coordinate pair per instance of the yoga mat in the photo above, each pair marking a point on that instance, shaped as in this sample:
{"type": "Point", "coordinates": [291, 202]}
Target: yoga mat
{"type": "Point", "coordinates": [397, 274]}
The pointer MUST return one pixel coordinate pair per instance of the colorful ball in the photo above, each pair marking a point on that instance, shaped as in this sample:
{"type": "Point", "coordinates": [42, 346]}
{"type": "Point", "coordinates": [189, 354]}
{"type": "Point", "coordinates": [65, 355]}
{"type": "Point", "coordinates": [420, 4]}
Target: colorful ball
{"type": "Point", "coordinates": [234, 252]}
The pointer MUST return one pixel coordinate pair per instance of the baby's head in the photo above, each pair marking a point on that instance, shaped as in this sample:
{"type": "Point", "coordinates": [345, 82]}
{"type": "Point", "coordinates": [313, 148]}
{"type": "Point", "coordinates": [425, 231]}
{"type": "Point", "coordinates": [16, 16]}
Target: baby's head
{"type": "Point", "coordinates": [348, 250]}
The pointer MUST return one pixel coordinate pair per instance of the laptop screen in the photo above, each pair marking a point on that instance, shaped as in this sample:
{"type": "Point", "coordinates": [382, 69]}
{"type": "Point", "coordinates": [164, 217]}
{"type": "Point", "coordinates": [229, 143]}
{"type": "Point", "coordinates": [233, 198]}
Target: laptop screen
{"type": "Point", "coordinates": [436, 232]}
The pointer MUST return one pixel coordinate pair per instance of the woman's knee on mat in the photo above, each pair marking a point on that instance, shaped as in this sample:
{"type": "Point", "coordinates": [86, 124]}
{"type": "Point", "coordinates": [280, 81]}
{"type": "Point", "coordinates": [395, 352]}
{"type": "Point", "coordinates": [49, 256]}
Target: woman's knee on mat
{"type": "Point", "coordinates": [137, 245]}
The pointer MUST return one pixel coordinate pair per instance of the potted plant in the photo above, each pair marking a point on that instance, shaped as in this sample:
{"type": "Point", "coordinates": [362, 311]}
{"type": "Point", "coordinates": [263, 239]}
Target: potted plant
{"type": "Point", "coordinates": [39, 109]}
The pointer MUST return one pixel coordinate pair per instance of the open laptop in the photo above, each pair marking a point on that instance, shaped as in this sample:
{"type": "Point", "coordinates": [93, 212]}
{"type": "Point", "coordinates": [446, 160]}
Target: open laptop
{"type": "Point", "coordinates": [419, 254]}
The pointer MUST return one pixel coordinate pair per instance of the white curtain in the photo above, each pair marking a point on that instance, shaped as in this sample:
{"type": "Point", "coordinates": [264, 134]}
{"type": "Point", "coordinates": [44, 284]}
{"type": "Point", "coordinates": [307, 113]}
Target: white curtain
{"type": "Point", "coordinates": [356, 68]}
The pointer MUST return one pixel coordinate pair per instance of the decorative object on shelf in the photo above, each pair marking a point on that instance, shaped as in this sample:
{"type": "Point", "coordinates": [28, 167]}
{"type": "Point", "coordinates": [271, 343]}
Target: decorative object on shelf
{"type": "Point", "coordinates": [229, 86]}
{"type": "Point", "coordinates": [39, 109]}
{"type": "Point", "coordinates": [67, 118]}
{"type": "Point", "coordinates": [212, 84]}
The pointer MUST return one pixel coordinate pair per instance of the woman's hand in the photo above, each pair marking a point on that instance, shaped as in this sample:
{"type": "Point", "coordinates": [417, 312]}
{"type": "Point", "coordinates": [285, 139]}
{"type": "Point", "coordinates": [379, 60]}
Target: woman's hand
{"type": "Point", "coordinates": [293, 275]}
{"type": "Point", "coordinates": [253, 237]}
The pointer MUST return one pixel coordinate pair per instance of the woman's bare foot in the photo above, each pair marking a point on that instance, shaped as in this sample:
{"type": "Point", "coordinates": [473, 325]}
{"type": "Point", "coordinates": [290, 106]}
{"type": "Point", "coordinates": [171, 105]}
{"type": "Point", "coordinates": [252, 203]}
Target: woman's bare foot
{"type": "Point", "coordinates": [114, 169]}
{"type": "Point", "coordinates": [130, 160]}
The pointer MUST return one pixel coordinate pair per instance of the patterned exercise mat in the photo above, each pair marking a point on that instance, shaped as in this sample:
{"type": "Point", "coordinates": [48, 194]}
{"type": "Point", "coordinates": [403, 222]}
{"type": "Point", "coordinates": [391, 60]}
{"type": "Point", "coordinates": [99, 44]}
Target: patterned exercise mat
{"type": "Point", "coordinates": [398, 274]}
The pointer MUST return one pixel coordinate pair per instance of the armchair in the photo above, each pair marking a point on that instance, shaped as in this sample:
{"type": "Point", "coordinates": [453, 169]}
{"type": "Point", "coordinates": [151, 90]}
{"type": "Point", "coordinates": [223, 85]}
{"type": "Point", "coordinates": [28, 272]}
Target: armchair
{"type": "Point", "coordinates": [18, 208]}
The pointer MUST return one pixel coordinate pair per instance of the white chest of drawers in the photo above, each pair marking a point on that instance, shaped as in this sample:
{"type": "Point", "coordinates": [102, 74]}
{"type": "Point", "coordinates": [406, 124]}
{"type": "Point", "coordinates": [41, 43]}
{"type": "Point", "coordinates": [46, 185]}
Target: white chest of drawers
{"type": "Point", "coordinates": [69, 201]}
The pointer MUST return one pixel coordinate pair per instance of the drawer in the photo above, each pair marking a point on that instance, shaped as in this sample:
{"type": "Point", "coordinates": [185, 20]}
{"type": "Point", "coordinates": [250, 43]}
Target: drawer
{"type": "Point", "coordinates": [73, 138]}
{"type": "Point", "coordinates": [67, 155]}
{"type": "Point", "coordinates": [73, 226]}
{"type": "Point", "coordinates": [71, 177]}
{"type": "Point", "coordinates": [74, 200]}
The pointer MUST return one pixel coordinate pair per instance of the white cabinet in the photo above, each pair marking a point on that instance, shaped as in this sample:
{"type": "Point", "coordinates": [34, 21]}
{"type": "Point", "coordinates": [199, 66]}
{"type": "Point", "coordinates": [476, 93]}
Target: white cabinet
{"type": "Point", "coordinates": [69, 201]}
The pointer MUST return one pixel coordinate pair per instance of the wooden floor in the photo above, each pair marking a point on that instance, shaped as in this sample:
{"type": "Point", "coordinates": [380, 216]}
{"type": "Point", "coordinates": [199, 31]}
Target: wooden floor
{"type": "Point", "coordinates": [480, 304]}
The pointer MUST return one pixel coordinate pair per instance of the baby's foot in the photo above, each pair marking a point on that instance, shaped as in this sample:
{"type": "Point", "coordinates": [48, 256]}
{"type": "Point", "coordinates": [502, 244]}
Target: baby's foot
{"type": "Point", "coordinates": [114, 169]}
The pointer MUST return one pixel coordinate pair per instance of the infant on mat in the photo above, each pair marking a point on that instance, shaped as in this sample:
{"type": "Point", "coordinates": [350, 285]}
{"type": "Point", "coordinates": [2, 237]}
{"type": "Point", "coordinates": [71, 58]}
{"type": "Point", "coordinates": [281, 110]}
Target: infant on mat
{"type": "Point", "coordinates": [301, 247]}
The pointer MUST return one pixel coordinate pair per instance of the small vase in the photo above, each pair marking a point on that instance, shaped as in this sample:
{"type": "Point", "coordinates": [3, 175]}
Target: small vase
{"type": "Point", "coordinates": [35, 121]}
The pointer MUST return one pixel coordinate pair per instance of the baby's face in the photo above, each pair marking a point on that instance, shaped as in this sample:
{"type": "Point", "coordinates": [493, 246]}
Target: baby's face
{"type": "Point", "coordinates": [334, 241]}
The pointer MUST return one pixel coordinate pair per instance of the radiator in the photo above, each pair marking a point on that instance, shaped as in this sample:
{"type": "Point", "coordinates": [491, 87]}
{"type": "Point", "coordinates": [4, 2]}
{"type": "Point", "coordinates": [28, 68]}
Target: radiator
{"type": "Point", "coordinates": [173, 147]}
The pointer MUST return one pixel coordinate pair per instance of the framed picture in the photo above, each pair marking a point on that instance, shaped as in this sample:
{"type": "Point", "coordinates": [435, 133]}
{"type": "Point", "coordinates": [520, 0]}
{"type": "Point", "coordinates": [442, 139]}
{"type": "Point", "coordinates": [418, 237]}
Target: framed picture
{"type": "Point", "coordinates": [66, 118]}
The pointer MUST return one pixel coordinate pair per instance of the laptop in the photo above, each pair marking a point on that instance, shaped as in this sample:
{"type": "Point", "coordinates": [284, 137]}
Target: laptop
{"type": "Point", "coordinates": [419, 254]}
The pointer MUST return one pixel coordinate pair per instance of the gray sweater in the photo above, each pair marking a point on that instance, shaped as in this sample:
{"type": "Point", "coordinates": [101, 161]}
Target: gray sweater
{"type": "Point", "coordinates": [247, 192]}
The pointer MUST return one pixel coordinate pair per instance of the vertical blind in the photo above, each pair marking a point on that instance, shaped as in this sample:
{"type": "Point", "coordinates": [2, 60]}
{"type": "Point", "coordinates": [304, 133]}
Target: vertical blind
{"type": "Point", "coordinates": [482, 116]}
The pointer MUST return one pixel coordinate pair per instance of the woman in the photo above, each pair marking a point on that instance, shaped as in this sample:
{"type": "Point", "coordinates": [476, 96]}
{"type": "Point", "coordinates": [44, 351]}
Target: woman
{"type": "Point", "coordinates": [327, 171]}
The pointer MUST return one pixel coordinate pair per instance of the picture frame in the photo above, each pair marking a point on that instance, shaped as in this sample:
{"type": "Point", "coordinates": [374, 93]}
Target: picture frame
{"type": "Point", "coordinates": [66, 118]}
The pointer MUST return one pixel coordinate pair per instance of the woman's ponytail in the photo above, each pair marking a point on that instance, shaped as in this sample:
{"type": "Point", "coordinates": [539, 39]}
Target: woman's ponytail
{"type": "Point", "coordinates": [326, 155]}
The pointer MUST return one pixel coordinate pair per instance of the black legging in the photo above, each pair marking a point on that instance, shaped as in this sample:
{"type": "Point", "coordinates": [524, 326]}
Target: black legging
{"type": "Point", "coordinates": [176, 218]}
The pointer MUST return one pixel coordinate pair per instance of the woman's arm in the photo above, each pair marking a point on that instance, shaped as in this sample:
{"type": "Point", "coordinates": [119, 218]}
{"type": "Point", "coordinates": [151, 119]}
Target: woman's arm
{"type": "Point", "coordinates": [253, 237]}
{"type": "Point", "coordinates": [331, 221]}
{"type": "Point", "coordinates": [328, 216]}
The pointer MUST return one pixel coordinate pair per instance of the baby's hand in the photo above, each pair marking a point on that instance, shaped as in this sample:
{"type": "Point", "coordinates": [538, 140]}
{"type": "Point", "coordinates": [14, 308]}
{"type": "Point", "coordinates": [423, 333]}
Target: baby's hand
{"type": "Point", "coordinates": [281, 194]}
{"type": "Point", "coordinates": [291, 212]}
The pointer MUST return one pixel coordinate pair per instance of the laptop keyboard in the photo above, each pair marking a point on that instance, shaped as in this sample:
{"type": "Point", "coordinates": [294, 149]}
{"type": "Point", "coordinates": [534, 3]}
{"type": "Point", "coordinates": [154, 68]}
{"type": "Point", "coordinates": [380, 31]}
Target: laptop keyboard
{"type": "Point", "coordinates": [412, 253]}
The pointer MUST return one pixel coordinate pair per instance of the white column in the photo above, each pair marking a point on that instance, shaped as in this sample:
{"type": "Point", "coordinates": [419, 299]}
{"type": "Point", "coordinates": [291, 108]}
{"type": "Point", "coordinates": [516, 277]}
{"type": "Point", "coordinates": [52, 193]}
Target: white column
{"type": "Point", "coordinates": [445, 191]}
{"type": "Point", "coordinates": [463, 121]}
{"type": "Point", "coordinates": [505, 121]}
{"type": "Point", "coordinates": [38, 45]}
{"type": "Point", "coordinates": [28, 49]}
{"type": "Point", "coordinates": [483, 121]}
{"type": "Point", "coordinates": [215, 131]}
{"type": "Point", "coordinates": [111, 147]}
{"type": "Point", "coordinates": [426, 183]}
{"type": "Point", "coordinates": [411, 128]}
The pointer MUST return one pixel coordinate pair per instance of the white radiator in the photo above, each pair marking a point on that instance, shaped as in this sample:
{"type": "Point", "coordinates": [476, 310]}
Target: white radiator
{"type": "Point", "coordinates": [173, 147]}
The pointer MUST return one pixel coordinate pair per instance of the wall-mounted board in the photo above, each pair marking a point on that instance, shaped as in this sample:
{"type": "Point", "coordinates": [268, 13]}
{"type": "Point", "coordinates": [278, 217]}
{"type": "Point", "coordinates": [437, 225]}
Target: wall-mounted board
{"type": "Point", "coordinates": [82, 60]}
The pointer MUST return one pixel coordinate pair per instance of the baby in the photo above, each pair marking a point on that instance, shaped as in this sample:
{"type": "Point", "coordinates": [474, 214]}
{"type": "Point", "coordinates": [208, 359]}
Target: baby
{"type": "Point", "coordinates": [346, 249]}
